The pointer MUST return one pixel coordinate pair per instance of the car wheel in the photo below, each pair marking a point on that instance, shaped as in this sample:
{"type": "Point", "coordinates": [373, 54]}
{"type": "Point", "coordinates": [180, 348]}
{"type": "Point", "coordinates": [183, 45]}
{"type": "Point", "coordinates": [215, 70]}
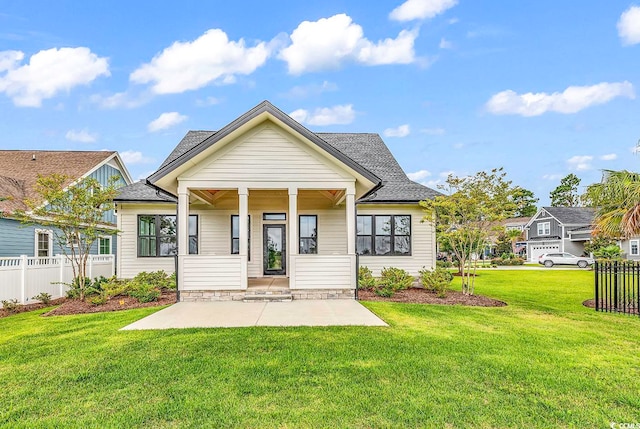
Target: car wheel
{"type": "Point", "coordinates": [548, 264]}
{"type": "Point", "coordinates": [582, 264]}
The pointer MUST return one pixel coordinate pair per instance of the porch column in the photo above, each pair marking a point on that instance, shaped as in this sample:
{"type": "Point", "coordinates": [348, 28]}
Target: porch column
{"type": "Point", "coordinates": [293, 235]}
{"type": "Point", "coordinates": [243, 224]}
{"type": "Point", "coordinates": [351, 222]}
{"type": "Point", "coordinates": [183, 233]}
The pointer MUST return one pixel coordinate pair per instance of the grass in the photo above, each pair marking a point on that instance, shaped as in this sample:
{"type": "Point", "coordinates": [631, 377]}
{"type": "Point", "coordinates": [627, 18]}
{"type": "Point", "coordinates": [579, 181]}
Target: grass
{"type": "Point", "coordinates": [543, 361]}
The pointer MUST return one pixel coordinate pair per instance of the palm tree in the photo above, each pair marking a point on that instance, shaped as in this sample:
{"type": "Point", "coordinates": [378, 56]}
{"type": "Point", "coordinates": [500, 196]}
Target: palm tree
{"type": "Point", "coordinates": [617, 203]}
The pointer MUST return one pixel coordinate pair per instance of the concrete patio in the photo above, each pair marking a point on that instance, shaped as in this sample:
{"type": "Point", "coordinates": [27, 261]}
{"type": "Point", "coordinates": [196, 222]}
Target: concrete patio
{"type": "Point", "coordinates": [235, 314]}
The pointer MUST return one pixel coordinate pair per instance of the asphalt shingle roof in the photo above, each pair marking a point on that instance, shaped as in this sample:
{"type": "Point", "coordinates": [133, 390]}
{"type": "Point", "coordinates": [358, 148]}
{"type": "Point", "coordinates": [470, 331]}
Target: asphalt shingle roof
{"type": "Point", "coordinates": [366, 149]}
{"type": "Point", "coordinates": [572, 215]}
{"type": "Point", "coordinates": [141, 192]}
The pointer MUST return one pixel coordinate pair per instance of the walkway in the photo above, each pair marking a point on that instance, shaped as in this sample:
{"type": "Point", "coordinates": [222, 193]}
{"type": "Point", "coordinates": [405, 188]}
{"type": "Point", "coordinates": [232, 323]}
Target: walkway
{"type": "Point", "coordinates": [235, 314]}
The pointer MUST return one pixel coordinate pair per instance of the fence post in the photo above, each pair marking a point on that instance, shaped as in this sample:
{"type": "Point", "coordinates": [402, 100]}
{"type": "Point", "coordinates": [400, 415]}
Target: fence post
{"type": "Point", "coordinates": [597, 266]}
{"type": "Point", "coordinates": [61, 259]}
{"type": "Point", "coordinates": [90, 262]}
{"type": "Point", "coordinates": [23, 279]}
{"type": "Point", "coordinates": [113, 265]}
{"type": "Point", "coordinates": [615, 285]}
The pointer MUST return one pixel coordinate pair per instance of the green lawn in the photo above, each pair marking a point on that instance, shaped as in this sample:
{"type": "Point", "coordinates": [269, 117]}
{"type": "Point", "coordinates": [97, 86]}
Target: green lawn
{"type": "Point", "coordinates": [543, 361]}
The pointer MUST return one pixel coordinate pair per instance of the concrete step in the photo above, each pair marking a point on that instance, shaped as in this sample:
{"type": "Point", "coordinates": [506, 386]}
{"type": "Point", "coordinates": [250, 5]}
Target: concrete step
{"type": "Point", "coordinates": [268, 297]}
{"type": "Point", "coordinates": [262, 292]}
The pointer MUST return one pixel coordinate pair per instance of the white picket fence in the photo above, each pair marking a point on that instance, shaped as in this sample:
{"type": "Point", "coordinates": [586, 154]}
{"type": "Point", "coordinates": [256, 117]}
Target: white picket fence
{"type": "Point", "coordinates": [22, 277]}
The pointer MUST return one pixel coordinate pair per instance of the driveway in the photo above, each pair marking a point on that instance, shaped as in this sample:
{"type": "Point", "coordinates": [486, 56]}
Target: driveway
{"type": "Point", "coordinates": [235, 314]}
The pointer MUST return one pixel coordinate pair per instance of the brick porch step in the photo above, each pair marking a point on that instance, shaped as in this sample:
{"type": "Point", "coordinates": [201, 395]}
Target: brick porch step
{"type": "Point", "coordinates": [271, 295]}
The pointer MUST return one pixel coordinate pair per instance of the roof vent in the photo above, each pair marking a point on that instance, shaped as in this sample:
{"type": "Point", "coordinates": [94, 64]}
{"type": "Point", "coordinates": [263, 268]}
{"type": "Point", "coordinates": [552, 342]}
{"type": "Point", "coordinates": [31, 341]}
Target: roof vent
{"type": "Point", "coordinates": [33, 157]}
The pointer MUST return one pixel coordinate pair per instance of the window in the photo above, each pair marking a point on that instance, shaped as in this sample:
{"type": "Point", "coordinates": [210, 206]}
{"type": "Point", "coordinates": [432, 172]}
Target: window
{"type": "Point", "coordinates": [308, 231]}
{"type": "Point", "coordinates": [157, 235]}
{"type": "Point", "coordinates": [544, 228]}
{"type": "Point", "coordinates": [383, 235]}
{"type": "Point", "coordinates": [104, 245]}
{"type": "Point", "coordinates": [634, 247]}
{"type": "Point", "coordinates": [43, 243]}
{"type": "Point", "coordinates": [235, 235]}
{"type": "Point", "coordinates": [274, 216]}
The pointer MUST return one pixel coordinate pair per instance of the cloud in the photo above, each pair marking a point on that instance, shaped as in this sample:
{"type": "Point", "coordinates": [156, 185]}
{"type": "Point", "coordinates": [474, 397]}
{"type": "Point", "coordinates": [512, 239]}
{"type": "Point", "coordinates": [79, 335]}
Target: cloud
{"type": "Point", "coordinates": [121, 99]}
{"type": "Point", "coordinates": [310, 90]}
{"type": "Point", "coordinates": [552, 176]}
{"type": "Point", "coordinates": [48, 73]}
{"type": "Point", "coordinates": [210, 58]}
{"type": "Point", "coordinates": [433, 131]}
{"type": "Point", "coordinates": [327, 43]}
{"type": "Point", "coordinates": [135, 157]}
{"type": "Point", "coordinates": [580, 162]}
{"type": "Point", "coordinates": [401, 131]}
{"type": "Point", "coordinates": [420, 9]}
{"type": "Point", "coordinates": [82, 136]}
{"type": "Point", "coordinates": [635, 149]}
{"type": "Point", "coordinates": [572, 100]}
{"type": "Point", "coordinates": [609, 157]}
{"type": "Point", "coordinates": [419, 175]}
{"type": "Point", "coordinates": [629, 26]}
{"type": "Point", "coordinates": [166, 120]}
{"type": "Point", "coordinates": [209, 101]}
{"type": "Point", "coordinates": [445, 44]}
{"type": "Point", "coordinates": [340, 114]}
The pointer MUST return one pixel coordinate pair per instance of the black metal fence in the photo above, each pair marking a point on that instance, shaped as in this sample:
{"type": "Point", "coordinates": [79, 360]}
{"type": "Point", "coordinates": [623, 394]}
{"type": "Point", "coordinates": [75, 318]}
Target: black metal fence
{"type": "Point", "coordinates": [617, 287]}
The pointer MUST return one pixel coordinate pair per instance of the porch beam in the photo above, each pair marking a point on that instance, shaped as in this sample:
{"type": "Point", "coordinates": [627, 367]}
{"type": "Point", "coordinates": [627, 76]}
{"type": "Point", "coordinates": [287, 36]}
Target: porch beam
{"type": "Point", "coordinates": [340, 197]}
{"type": "Point", "coordinates": [203, 196]}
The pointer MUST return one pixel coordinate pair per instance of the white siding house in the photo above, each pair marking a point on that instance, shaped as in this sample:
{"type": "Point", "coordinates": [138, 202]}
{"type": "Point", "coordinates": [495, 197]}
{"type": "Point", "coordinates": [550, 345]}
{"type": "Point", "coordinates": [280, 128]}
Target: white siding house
{"type": "Point", "coordinates": [264, 201]}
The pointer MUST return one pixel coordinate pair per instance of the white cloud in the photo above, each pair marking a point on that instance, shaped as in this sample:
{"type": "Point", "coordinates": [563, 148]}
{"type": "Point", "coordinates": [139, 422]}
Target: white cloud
{"type": "Point", "coordinates": [121, 99]}
{"type": "Point", "coordinates": [166, 120]}
{"type": "Point", "coordinates": [609, 157]}
{"type": "Point", "coordinates": [209, 101]}
{"type": "Point", "coordinates": [419, 175]}
{"type": "Point", "coordinates": [135, 157]}
{"type": "Point", "coordinates": [420, 9]}
{"type": "Point", "coordinates": [401, 131]}
{"type": "Point", "coordinates": [552, 176]}
{"type": "Point", "coordinates": [328, 42]}
{"type": "Point", "coordinates": [571, 100]}
{"type": "Point", "coordinates": [185, 66]}
{"type": "Point", "coordinates": [340, 114]}
{"type": "Point", "coordinates": [580, 162]}
{"type": "Point", "coordinates": [48, 73]}
{"type": "Point", "coordinates": [311, 89]}
{"type": "Point", "coordinates": [629, 26]}
{"type": "Point", "coordinates": [445, 44]}
{"type": "Point", "coordinates": [82, 136]}
{"type": "Point", "coordinates": [433, 131]}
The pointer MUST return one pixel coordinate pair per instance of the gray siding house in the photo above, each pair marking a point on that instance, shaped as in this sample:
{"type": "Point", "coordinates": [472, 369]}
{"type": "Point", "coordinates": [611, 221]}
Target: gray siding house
{"type": "Point", "coordinates": [19, 170]}
{"type": "Point", "coordinates": [558, 229]}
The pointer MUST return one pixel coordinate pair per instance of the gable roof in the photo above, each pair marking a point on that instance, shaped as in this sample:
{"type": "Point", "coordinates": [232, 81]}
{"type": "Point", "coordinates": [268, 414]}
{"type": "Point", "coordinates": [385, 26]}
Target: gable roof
{"type": "Point", "coordinates": [19, 171]}
{"type": "Point", "coordinates": [141, 192]}
{"type": "Point", "coordinates": [572, 215]}
{"type": "Point", "coordinates": [182, 156]}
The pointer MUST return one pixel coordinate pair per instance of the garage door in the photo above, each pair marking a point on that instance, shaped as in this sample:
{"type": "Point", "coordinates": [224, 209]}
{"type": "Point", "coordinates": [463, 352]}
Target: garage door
{"type": "Point", "coordinates": [535, 250]}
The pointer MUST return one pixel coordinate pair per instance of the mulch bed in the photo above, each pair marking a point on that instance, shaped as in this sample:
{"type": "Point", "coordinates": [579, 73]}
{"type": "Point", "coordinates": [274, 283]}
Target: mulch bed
{"type": "Point", "coordinates": [591, 303]}
{"type": "Point", "coordinates": [422, 296]}
{"type": "Point", "coordinates": [30, 307]}
{"type": "Point", "coordinates": [75, 306]}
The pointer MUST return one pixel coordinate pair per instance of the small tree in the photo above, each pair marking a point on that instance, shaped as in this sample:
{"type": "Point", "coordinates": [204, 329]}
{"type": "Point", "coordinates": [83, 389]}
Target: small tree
{"type": "Point", "coordinates": [76, 212]}
{"type": "Point", "coordinates": [566, 194]}
{"type": "Point", "coordinates": [525, 202]}
{"type": "Point", "coordinates": [466, 217]}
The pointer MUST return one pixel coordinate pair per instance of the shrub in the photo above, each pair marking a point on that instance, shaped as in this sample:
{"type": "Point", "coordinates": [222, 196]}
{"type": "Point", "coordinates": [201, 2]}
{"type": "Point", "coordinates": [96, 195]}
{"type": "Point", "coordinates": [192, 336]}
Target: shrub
{"type": "Point", "coordinates": [366, 279]}
{"type": "Point", "coordinates": [392, 280]}
{"type": "Point", "coordinates": [158, 279]}
{"type": "Point", "coordinates": [145, 292]}
{"type": "Point", "coordinates": [509, 261]}
{"type": "Point", "coordinates": [444, 264]}
{"type": "Point", "coordinates": [99, 299]}
{"type": "Point", "coordinates": [436, 281]}
{"type": "Point", "coordinates": [74, 287]}
{"type": "Point", "coordinates": [43, 297]}
{"type": "Point", "coordinates": [610, 253]}
{"type": "Point", "coordinates": [10, 305]}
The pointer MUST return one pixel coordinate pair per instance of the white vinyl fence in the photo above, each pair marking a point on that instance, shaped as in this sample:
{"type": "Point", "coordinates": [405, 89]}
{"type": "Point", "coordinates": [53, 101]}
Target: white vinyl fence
{"type": "Point", "coordinates": [22, 278]}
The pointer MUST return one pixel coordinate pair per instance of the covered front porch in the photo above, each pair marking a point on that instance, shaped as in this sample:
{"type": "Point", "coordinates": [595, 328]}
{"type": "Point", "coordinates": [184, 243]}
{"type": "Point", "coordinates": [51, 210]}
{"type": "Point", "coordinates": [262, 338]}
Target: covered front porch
{"type": "Point", "coordinates": [262, 241]}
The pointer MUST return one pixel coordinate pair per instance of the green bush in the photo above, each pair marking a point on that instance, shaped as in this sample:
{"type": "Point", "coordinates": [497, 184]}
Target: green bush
{"type": "Point", "coordinates": [10, 305]}
{"type": "Point", "coordinates": [145, 292]}
{"type": "Point", "coordinates": [74, 287]}
{"type": "Point", "coordinates": [392, 280]}
{"type": "Point", "coordinates": [508, 261]}
{"type": "Point", "coordinates": [99, 299]}
{"type": "Point", "coordinates": [609, 253]}
{"type": "Point", "coordinates": [444, 264]}
{"type": "Point", "coordinates": [366, 279]}
{"type": "Point", "coordinates": [158, 279]}
{"type": "Point", "coordinates": [436, 281]}
{"type": "Point", "coordinates": [43, 297]}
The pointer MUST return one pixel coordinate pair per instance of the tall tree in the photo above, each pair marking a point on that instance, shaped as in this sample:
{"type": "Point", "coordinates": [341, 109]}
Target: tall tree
{"type": "Point", "coordinates": [617, 203]}
{"type": "Point", "coordinates": [566, 194]}
{"type": "Point", "coordinates": [525, 202]}
{"type": "Point", "coordinates": [76, 212]}
{"type": "Point", "coordinates": [466, 217]}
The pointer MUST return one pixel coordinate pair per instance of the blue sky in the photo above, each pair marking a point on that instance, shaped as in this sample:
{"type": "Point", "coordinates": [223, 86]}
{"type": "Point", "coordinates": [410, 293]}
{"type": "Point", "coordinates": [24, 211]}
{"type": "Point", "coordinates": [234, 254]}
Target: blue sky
{"type": "Point", "coordinates": [541, 88]}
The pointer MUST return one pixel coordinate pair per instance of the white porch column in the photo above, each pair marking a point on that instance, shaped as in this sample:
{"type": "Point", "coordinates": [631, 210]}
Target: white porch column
{"type": "Point", "coordinates": [183, 233]}
{"type": "Point", "coordinates": [243, 224]}
{"type": "Point", "coordinates": [293, 235]}
{"type": "Point", "coordinates": [351, 222]}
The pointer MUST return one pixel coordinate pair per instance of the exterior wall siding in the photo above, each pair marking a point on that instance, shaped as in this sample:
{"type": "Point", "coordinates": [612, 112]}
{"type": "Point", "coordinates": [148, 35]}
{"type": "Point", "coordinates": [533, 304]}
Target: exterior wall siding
{"type": "Point", "coordinates": [555, 228]}
{"type": "Point", "coordinates": [423, 241]}
{"type": "Point", "coordinates": [573, 247]}
{"type": "Point", "coordinates": [102, 175]}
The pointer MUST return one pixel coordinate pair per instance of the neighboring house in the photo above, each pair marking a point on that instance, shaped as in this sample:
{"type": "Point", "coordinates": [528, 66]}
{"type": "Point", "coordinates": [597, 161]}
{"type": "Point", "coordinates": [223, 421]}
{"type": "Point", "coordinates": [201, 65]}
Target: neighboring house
{"type": "Point", "coordinates": [510, 224]}
{"type": "Point", "coordinates": [559, 229]}
{"type": "Point", "coordinates": [19, 171]}
{"type": "Point", "coordinates": [264, 198]}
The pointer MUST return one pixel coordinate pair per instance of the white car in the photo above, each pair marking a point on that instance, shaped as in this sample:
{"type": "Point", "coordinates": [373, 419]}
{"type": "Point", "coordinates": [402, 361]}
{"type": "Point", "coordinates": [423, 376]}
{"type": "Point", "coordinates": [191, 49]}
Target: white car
{"type": "Point", "coordinates": [551, 259]}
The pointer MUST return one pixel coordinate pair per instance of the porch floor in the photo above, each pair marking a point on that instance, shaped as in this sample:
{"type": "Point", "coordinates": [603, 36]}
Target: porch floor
{"type": "Point", "coordinates": [268, 283]}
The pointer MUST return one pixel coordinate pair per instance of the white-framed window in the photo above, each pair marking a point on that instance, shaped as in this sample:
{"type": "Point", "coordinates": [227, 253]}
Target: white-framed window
{"type": "Point", "coordinates": [634, 247]}
{"type": "Point", "coordinates": [104, 245]}
{"type": "Point", "coordinates": [544, 228]}
{"type": "Point", "coordinates": [43, 243]}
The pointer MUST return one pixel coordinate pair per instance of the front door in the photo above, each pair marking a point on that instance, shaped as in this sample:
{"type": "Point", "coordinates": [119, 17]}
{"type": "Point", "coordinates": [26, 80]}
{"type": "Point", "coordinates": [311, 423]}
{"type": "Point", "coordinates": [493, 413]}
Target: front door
{"type": "Point", "coordinates": [275, 256]}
